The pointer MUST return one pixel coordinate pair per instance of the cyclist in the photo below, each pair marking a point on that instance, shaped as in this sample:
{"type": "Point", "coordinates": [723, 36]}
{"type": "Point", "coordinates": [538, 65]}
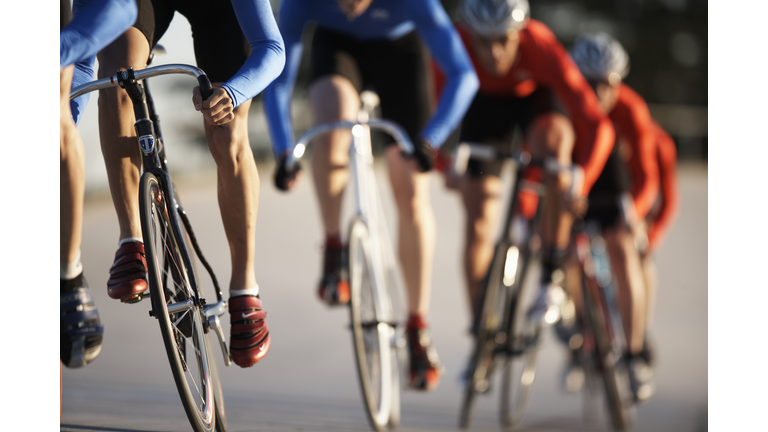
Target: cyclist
{"type": "Point", "coordinates": [96, 23]}
{"type": "Point", "coordinates": [526, 77]}
{"type": "Point", "coordinates": [660, 218]}
{"type": "Point", "coordinates": [619, 203]}
{"type": "Point", "coordinates": [222, 33]}
{"type": "Point", "coordinates": [361, 43]}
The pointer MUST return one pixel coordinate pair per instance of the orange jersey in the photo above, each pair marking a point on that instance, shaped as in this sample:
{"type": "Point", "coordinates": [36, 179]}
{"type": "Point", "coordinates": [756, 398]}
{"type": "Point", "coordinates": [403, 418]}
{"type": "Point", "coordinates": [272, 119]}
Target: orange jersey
{"type": "Point", "coordinates": [634, 126]}
{"type": "Point", "coordinates": [542, 61]}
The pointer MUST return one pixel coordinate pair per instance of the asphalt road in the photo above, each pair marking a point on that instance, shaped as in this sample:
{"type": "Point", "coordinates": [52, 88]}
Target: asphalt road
{"type": "Point", "coordinates": [308, 381]}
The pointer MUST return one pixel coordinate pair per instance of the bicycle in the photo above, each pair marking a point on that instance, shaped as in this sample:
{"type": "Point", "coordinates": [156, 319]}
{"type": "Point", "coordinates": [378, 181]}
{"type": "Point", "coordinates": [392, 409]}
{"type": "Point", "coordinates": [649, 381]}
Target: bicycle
{"type": "Point", "coordinates": [602, 334]}
{"type": "Point", "coordinates": [503, 329]}
{"type": "Point", "coordinates": [375, 306]}
{"type": "Point", "coordinates": [177, 300]}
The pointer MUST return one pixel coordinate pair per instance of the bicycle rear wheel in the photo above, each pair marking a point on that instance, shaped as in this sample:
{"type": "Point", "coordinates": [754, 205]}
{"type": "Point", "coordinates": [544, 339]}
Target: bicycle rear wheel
{"type": "Point", "coordinates": [371, 333]}
{"type": "Point", "coordinates": [522, 342]}
{"type": "Point", "coordinates": [480, 368]}
{"type": "Point", "coordinates": [175, 306]}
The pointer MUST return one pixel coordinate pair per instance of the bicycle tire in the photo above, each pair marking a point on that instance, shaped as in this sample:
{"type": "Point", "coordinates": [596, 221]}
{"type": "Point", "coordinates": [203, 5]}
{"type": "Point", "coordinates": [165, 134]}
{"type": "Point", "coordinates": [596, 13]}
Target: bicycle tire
{"type": "Point", "coordinates": [522, 344]}
{"type": "Point", "coordinates": [480, 368]}
{"type": "Point", "coordinates": [164, 245]}
{"type": "Point", "coordinates": [210, 338]}
{"type": "Point", "coordinates": [605, 359]}
{"type": "Point", "coordinates": [371, 333]}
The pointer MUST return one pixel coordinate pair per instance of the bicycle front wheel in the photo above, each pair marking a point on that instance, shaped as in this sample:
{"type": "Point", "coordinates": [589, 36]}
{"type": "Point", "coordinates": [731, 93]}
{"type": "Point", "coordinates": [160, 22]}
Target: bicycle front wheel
{"type": "Point", "coordinates": [371, 333]}
{"type": "Point", "coordinates": [480, 368]}
{"type": "Point", "coordinates": [522, 342]}
{"type": "Point", "coordinates": [174, 304]}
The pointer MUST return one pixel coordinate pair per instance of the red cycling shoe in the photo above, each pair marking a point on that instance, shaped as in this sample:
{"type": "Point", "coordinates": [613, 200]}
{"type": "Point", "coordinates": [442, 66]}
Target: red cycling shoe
{"type": "Point", "coordinates": [425, 368]}
{"type": "Point", "coordinates": [249, 335]}
{"type": "Point", "coordinates": [128, 275]}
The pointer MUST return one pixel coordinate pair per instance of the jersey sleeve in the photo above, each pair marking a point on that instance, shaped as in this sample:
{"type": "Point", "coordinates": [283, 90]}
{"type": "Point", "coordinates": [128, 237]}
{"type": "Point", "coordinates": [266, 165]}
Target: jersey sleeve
{"type": "Point", "coordinates": [638, 132]}
{"type": "Point", "coordinates": [267, 50]}
{"type": "Point", "coordinates": [670, 196]}
{"type": "Point", "coordinates": [461, 82]}
{"type": "Point", "coordinates": [85, 57]}
{"type": "Point", "coordinates": [97, 24]}
{"type": "Point", "coordinates": [277, 96]}
{"type": "Point", "coordinates": [594, 132]}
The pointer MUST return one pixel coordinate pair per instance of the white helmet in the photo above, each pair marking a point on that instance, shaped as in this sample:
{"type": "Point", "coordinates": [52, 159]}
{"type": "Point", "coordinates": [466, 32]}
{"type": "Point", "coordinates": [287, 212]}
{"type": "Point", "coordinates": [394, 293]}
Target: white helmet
{"type": "Point", "coordinates": [600, 57]}
{"type": "Point", "coordinates": [494, 17]}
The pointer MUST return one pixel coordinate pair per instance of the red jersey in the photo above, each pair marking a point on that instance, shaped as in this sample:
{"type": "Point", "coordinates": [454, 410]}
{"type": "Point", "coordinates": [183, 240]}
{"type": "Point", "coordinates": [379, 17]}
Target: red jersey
{"type": "Point", "coordinates": [634, 126]}
{"type": "Point", "coordinates": [542, 61]}
{"type": "Point", "coordinates": [652, 161]}
{"type": "Point", "coordinates": [662, 219]}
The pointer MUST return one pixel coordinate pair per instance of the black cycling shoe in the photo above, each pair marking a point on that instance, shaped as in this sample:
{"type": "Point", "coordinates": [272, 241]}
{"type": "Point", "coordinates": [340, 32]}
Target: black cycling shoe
{"type": "Point", "coordinates": [333, 288]}
{"type": "Point", "coordinates": [81, 329]}
{"type": "Point", "coordinates": [640, 377]}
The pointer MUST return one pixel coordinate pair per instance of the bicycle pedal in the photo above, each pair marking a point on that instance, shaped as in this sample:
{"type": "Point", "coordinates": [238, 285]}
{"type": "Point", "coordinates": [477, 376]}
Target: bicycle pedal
{"type": "Point", "coordinates": [132, 299]}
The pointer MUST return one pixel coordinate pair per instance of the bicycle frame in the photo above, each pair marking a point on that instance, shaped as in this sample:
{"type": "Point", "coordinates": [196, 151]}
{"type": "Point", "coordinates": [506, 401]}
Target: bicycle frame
{"type": "Point", "coordinates": [153, 160]}
{"type": "Point", "coordinates": [361, 164]}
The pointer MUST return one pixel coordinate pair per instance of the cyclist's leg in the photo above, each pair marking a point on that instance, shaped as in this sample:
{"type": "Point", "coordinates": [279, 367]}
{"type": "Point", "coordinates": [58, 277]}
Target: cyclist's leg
{"type": "Point", "coordinates": [490, 120]}
{"type": "Point", "coordinates": [238, 193]}
{"type": "Point", "coordinates": [334, 90]}
{"type": "Point", "coordinates": [481, 198]}
{"type": "Point", "coordinates": [118, 137]}
{"type": "Point", "coordinates": [80, 326]}
{"type": "Point", "coordinates": [398, 70]}
{"type": "Point", "coordinates": [333, 98]}
{"type": "Point", "coordinates": [118, 145]}
{"type": "Point", "coordinates": [72, 177]}
{"type": "Point", "coordinates": [628, 271]}
{"type": "Point", "coordinates": [416, 229]}
{"type": "Point", "coordinates": [220, 51]}
{"type": "Point", "coordinates": [551, 136]}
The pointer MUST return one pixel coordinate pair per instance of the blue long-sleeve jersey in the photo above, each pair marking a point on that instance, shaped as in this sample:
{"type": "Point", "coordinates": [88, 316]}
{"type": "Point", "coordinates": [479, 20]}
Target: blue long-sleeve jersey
{"type": "Point", "coordinates": [383, 20]}
{"type": "Point", "coordinates": [267, 50]}
{"type": "Point", "coordinates": [95, 24]}
{"type": "Point", "coordinates": [99, 22]}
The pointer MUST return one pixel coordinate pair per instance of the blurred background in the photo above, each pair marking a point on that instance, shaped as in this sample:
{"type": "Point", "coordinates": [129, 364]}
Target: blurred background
{"type": "Point", "coordinates": [307, 382]}
{"type": "Point", "coordinates": [666, 41]}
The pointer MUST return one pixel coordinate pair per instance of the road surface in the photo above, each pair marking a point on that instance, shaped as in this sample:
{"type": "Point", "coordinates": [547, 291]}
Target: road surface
{"type": "Point", "coordinates": [308, 381]}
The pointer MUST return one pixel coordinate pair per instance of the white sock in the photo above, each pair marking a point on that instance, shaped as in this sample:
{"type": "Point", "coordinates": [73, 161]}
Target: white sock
{"type": "Point", "coordinates": [250, 291]}
{"type": "Point", "coordinates": [130, 240]}
{"type": "Point", "coordinates": [70, 270]}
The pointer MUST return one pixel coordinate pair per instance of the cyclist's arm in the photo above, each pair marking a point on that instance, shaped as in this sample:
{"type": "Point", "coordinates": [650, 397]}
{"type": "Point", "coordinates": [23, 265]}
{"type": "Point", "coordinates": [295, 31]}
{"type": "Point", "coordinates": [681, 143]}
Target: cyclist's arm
{"type": "Point", "coordinates": [267, 50]}
{"type": "Point", "coordinates": [636, 127]}
{"type": "Point", "coordinates": [277, 96]}
{"type": "Point", "coordinates": [446, 47]}
{"type": "Point", "coordinates": [97, 24]}
{"type": "Point", "coordinates": [594, 132]}
{"type": "Point", "coordinates": [83, 51]}
{"type": "Point", "coordinates": [670, 196]}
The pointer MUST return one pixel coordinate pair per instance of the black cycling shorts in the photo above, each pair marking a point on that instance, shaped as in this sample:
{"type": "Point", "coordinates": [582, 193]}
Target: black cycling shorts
{"type": "Point", "coordinates": [220, 46]}
{"type": "Point", "coordinates": [604, 196]}
{"type": "Point", "coordinates": [493, 118]}
{"type": "Point", "coordinates": [397, 70]}
{"type": "Point", "coordinates": [65, 13]}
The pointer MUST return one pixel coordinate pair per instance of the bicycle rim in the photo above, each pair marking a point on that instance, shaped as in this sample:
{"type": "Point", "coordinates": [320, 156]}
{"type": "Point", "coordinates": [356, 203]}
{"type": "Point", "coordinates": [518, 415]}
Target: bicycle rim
{"type": "Point", "coordinates": [480, 368]}
{"type": "Point", "coordinates": [182, 329]}
{"type": "Point", "coordinates": [523, 343]}
{"type": "Point", "coordinates": [210, 338]}
{"type": "Point", "coordinates": [606, 361]}
{"type": "Point", "coordinates": [370, 333]}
